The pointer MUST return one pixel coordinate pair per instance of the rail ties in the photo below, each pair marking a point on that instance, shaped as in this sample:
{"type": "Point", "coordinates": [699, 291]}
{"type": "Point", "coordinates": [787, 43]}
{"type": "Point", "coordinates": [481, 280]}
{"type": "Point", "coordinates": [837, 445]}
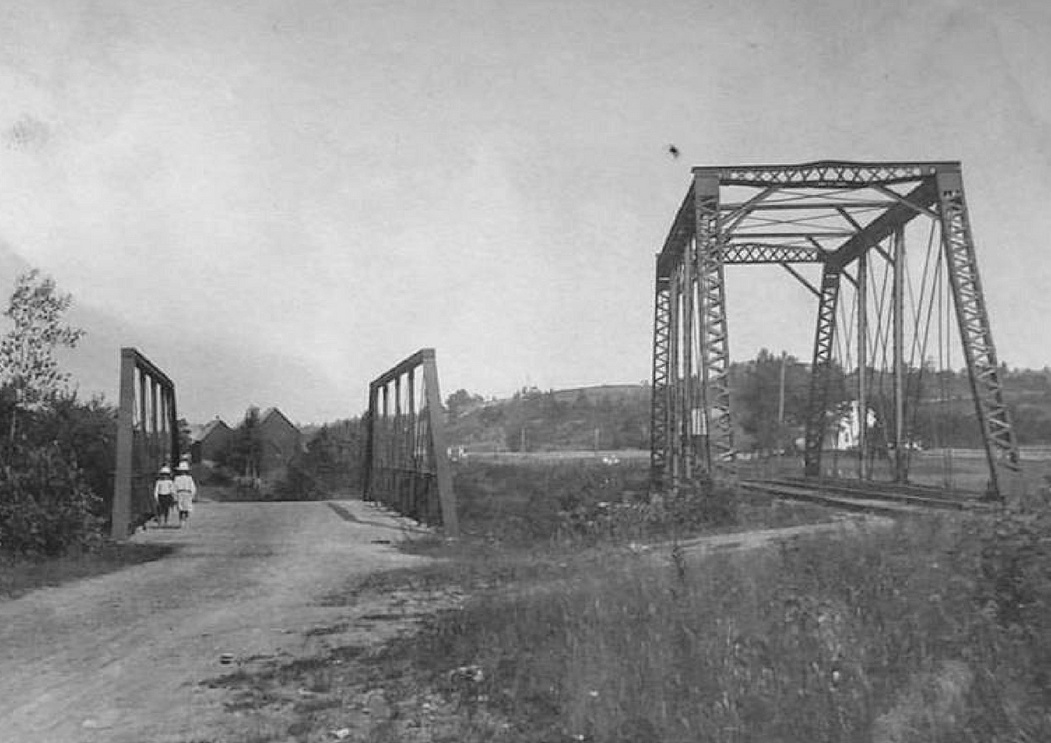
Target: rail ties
{"type": "Point", "coordinates": [888, 498]}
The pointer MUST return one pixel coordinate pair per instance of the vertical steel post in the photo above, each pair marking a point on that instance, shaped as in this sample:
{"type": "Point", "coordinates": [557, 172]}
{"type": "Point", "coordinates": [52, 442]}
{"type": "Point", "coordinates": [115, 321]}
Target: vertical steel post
{"type": "Point", "coordinates": [715, 346]}
{"type": "Point", "coordinates": [863, 363]}
{"type": "Point", "coordinates": [173, 430]}
{"type": "Point", "coordinates": [398, 466]}
{"type": "Point", "coordinates": [446, 496]}
{"type": "Point", "coordinates": [387, 451]}
{"type": "Point", "coordinates": [154, 437]}
{"type": "Point", "coordinates": [660, 383]}
{"type": "Point", "coordinates": [685, 432]}
{"type": "Point", "coordinates": [821, 369]}
{"type": "Point", "coordinates": [976, 336]}
{"type": "Point", "coordinates": [410, 444]}
{"type": "Point", "coordinates": [370, 446]}
{"type": "Point", "coordinates": [674, 380]}
{"type": "Point", "coordinates": [125, 421]}
{"type": "Point", "coordinates": [898, 293]}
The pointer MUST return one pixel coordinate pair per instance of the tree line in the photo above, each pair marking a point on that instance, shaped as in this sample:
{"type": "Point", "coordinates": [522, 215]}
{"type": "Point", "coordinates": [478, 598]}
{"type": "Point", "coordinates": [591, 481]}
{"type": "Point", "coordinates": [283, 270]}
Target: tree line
{"type": "Point", "coordinates": [770, 396]}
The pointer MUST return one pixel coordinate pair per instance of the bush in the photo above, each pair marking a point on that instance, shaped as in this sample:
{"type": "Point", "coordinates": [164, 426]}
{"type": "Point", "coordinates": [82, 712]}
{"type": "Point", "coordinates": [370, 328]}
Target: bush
{"type": "Point", "coordinates": [582, 501]}
{"type": "Point", "coordinates": [86, 434]}
{"type": "Point", "coordinates": [932, 630]}
{"type": "Point", "coordinates": [297, 482]}
{"type": "Point", "coordinates": [46, 505]}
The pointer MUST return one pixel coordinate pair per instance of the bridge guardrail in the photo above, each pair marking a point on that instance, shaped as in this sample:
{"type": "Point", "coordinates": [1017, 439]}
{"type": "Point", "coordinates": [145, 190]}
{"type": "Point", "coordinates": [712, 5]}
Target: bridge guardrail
{"type": "Point", "coordinates": [147, 438]}
{"type": "Point", "coordinates": [406, 461]}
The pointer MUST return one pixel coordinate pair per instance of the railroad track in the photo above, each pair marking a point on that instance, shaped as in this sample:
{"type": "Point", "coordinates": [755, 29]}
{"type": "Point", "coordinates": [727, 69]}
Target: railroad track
{"type": "Point", "coordinates": [869, 497]}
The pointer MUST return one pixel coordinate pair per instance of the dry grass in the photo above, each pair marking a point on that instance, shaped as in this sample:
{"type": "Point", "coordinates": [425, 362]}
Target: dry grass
{"type": "Point", "coordinates": [938, 629]}
{"type": "Point", "coordinates": [815, 642]}
{"type": "Point", "coordinates": [19, 575]}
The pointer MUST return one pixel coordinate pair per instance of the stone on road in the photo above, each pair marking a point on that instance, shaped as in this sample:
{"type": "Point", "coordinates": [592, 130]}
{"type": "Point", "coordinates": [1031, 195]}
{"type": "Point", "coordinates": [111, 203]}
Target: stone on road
{"type": "Point", "coordinates": [122, 657]}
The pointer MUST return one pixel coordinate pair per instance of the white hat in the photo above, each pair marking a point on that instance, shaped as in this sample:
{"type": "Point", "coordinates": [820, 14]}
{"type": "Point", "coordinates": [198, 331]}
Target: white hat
{"type": "Point", "coordinates": [166, 470]}
{"type": "Point", "coordinates": [184, 466]}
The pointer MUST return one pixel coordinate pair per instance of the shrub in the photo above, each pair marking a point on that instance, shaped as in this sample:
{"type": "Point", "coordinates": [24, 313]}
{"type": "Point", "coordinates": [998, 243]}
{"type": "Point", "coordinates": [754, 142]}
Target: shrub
{"type": "Point", "coordinates": [46, 505]}
{"type": "Point", "coordinates": [582, 501]}
{"type": "Point", "coordinates": [932, 630]}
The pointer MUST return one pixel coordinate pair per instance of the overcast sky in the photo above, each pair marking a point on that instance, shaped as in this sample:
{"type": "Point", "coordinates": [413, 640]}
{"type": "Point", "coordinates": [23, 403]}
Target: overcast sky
{"type": "Point", "coordinates": [276, 201]}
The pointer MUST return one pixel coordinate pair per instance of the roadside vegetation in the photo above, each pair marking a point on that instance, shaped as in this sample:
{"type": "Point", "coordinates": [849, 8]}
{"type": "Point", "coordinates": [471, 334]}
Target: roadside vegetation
{"type": "Point", "coordinates": [56, 453]}
{"type": "Point", "coordinates": [577, 628]}
{"type": "Point", "coordinates": [933, 631]}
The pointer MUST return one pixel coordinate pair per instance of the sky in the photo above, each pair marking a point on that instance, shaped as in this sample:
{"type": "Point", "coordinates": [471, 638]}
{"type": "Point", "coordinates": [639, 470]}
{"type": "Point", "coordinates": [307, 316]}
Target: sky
{"type": "Point", "coordinates": [276, 201]}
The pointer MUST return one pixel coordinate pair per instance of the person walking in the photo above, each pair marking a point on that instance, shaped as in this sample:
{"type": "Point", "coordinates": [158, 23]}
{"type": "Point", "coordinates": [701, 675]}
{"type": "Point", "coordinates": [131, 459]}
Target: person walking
{"type": "Point", "coordinates": [164, 495]}
{"type": "Point", "coordinates": [185, 491]}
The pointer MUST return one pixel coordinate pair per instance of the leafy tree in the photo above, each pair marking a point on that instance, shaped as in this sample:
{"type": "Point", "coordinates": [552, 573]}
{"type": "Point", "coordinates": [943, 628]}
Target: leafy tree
{"type": "Point", "coordinates": [461, 402]}
{"type": "Point", "coordinates": [246, 446]}
{"type": "Point", "coordinates": [185, 435]}
{"type": "Point", "coordinates": [28, 367]}
{"type": "Point", "coordinates": [757, 400]}
{"type": "Point", "coordinates": [57, 455]}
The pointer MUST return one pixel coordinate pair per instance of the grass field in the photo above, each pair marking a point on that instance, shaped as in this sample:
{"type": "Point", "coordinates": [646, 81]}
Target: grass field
{"type": "Point", "coordinates": [573, 629]}
{"type": "Point", "coordinates": [934, 630]}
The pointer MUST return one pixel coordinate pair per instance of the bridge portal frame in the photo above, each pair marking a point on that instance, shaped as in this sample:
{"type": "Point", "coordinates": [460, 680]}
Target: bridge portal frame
{"type": "Point", "coordinates": [147, 437]}
{"type": "Point", "coordinates": [832, 213]}
{"type": "Point", "coordinates": [406, 462]}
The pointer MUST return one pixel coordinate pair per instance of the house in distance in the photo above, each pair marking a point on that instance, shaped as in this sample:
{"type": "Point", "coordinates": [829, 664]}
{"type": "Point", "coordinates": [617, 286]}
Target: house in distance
{"type": "Point", "coordinates": [210, 440]}
{"type": "Point", "coordinates": [280, 440]}
{"type": "Point", "coordinates": [275, 440]}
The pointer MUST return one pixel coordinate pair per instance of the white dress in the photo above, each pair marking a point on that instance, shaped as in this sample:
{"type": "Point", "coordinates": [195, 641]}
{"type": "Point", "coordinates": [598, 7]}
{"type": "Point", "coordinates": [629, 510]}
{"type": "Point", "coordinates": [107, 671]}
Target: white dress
{"type": "Point", "coordinates": [185, 490]}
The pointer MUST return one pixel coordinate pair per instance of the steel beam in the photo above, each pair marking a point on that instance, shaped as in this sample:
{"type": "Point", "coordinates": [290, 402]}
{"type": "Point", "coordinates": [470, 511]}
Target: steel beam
{"type": "Point", "coordinates": [660, 389]}
{"type": "Point", "coordinates": [825, 174]}
{"type": "Point", "coordinates": [898, 319]}
{"type": "Point", "coordinates": [679, 236]}
{"type": "Point", "coordinates": [674, 379]}
{"type": "Point", "coordinates": [982, 366]}
{"type": "Point", "coordinates": [749, 253]}
{"type": "Point", "coordinates": [821, 369]}
{"type": "Point", "coordinates": [689, 311]}
{"type": "Point", "coordinates": [717, 444]}
{"type": "Point", "coordinates": [885, 224]}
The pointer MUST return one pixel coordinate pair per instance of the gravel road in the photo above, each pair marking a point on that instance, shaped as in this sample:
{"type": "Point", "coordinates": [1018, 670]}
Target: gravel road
{"type": "Point", "coordinates": [121, 657]}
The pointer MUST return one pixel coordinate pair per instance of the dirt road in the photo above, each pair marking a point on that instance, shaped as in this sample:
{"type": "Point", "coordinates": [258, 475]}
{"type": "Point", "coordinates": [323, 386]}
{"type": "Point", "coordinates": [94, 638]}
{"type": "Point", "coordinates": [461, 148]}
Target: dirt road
{"type": "Point", "coordinates": [121, 657]}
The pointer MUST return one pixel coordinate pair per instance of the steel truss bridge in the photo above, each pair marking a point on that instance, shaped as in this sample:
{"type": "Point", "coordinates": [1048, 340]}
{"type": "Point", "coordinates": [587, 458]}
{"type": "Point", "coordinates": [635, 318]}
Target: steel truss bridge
{"type": "Point", "coordinates": [857, 224]}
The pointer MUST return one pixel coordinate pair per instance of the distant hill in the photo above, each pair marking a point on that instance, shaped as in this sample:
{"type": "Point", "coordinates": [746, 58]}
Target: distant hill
{"type": "Point", "coordinates": [602, 417]}
{"type": "Point", "coordinates": [615, 393]}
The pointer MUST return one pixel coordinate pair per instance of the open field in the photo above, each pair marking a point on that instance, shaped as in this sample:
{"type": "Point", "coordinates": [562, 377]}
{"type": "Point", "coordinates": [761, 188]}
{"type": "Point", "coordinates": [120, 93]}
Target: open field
{"type": "Point", "coordinates": [928, 630]}
{"type": "Point", "coordinates": [920, 630]}
{"type": "Point", "coordinates": [963, 470]}
{"type": "Point", "coordinates": [556, 618]}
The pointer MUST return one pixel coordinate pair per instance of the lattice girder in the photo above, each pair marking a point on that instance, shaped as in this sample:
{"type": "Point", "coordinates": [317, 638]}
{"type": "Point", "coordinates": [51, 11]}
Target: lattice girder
{"type": "Point", "coordinates": [829, 213]}
{"type": "Point", "coordinates": [976, 334]}
{"type": "Point", "coordinates": [821, 369]}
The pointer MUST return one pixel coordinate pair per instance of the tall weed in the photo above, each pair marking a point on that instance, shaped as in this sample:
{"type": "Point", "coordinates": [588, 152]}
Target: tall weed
{"type": "Point", "coordinates": [826, 640]}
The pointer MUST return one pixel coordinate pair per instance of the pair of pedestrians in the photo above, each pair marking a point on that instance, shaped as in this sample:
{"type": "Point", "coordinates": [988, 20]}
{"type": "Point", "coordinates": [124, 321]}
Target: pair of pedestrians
{"type": "Point", "coordinates": [169, 492]}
